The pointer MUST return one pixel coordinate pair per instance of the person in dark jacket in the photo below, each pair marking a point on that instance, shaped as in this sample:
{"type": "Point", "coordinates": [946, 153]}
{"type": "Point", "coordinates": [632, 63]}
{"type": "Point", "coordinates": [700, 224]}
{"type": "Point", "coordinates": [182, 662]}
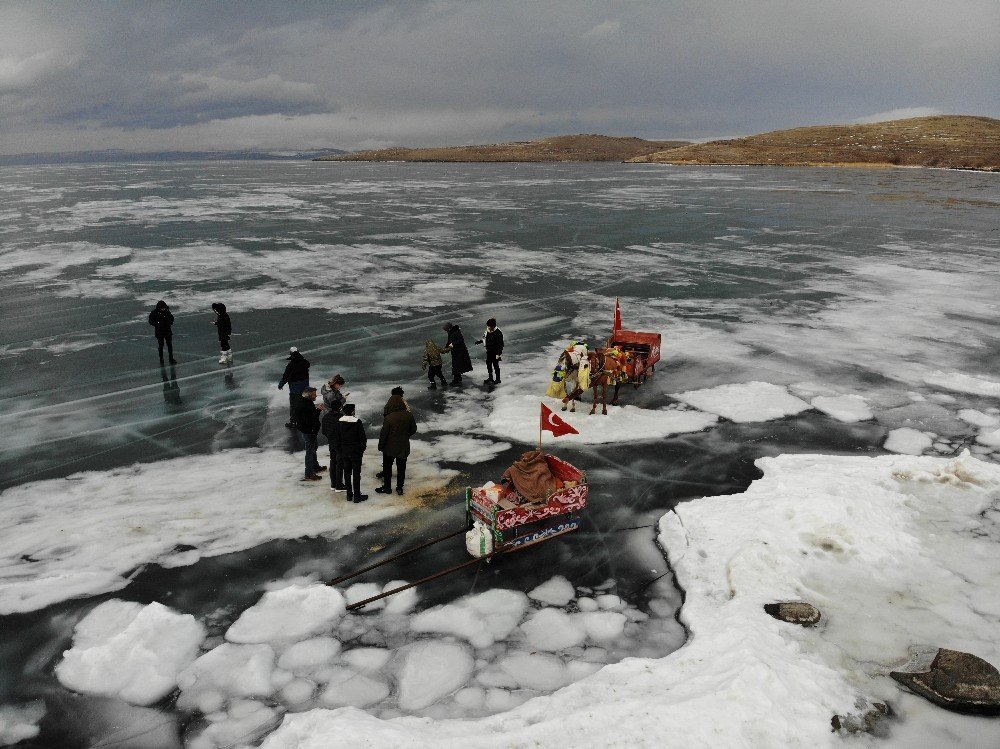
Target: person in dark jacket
{"type": "Point", "coordinates": [224, 327]}
{"type": "Point", "coordinates": [461, 362]}
{"type": "Point", "coordinates": [297, 376]}
{"type": "Point", "coordinates": [493, 338]}
{"type": "Point", "coordinates": [350, 442]}
{"type": "Point", "coordinates": [333, 401]}
{"type": "Point", "coordinates": [307, 421]}
{"type": "Point", "coordinates": [394, 440]}
{"type": "Point", "coordinates": [161, 319]}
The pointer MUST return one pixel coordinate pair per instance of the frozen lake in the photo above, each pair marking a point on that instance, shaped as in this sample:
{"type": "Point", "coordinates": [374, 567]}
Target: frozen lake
{"type": "Point", "coordinates": [802, 311]}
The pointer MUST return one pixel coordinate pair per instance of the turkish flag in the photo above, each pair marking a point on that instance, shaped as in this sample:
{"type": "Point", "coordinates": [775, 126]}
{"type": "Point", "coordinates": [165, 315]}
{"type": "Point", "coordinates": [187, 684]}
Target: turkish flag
{"type": "Point", "coordinates": [552, 423]}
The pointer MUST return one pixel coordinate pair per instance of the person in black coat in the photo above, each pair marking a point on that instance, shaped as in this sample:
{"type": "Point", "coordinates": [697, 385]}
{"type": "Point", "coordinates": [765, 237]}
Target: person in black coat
{"type": "Point", "coordinates": [461, 362]}
{"type": "Point", "coordinates": [296, 375]}
{"type": "Point", "coordinates": [224, 327]}
{"type": "Point", "coordinates": [161, 319]}
{"type": "Point", "coordinates": [493, 338]}
{"type": "Point", "coordinates": [307, 422]}
{"type": "Point", "coordinates": [394, 441]}
{"type": "Point", "coordinates": [350, 442]}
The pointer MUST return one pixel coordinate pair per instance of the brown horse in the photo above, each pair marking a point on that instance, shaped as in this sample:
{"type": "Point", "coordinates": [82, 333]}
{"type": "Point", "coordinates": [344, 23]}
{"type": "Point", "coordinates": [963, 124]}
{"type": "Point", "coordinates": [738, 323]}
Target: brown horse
{"type": "Point", "coordinates": [608, 366]}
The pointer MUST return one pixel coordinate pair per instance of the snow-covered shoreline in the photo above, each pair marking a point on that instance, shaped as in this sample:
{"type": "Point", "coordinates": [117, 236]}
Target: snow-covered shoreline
{"type": "Point", "coordinates": [895, 550]}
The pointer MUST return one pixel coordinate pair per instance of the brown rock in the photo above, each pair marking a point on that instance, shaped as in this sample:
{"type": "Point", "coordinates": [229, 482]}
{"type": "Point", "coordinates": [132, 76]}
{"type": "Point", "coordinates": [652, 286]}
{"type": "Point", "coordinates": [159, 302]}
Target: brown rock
{"type": "Point", "coordinates": [956, 681]}
{"type": "Point", "coordinates": [794, 612]}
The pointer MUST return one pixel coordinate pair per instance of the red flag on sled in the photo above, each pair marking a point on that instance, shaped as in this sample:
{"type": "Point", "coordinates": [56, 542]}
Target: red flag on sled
{"type": "Point", "coordinates": [618, 314]}
{"type": "Point", "coordinates": [554, 424]}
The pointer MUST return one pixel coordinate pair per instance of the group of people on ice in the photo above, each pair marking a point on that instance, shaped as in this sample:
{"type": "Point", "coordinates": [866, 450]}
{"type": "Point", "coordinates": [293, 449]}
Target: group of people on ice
{"type": "Point", "coordinates": [337, 419]}
{"type": "Point", "coordinates": [162, 320]}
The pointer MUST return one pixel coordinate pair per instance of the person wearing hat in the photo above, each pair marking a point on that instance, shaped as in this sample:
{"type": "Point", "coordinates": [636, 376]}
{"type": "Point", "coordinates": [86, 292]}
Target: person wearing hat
{"type": "Point", "coordinates": [224, 329]}
{"type": "Point", "coordinates": [461, 362]}
{"type": "Point", "coordinates": [394, 441]}
{"type": "Point", "coordinates": [297, 377]}
{"type": "Point", "coordinates": [307, 422]}
{"type": "Point", "coordinates": [333, 400]}
{"type": "Point", "coordinates": [350, 441]}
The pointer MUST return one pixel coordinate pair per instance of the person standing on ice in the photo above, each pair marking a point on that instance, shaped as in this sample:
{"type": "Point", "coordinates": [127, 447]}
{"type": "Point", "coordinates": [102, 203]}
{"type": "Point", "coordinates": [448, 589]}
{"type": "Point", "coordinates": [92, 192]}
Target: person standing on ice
{"type": "Point", "coordinates": [394, 441]}
{"type": "Point", "coordinates": [433, 362]}
{"type": "Point", "coordinates": [350, 441]}
{"type": "Point", "coordinates": [297, 376]}
{"type": "Point", "coordinates": [333, 400]}
{"type": "Point", "coordinates": [307, 420]}
{"type": "Point", "coordinates": [224, 328]}
{"type": "Point", "coordinates": [461, 362]}
{"type": "Point", "coordinates": [162, 321]}
{"type": "Point", "coordinates": [493, 338]}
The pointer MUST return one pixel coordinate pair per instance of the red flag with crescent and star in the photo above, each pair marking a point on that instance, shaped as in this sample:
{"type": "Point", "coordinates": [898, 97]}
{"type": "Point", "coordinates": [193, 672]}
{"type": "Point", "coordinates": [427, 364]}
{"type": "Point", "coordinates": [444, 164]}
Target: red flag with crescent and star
{"type": "Point", "coordinates": [554, 424]}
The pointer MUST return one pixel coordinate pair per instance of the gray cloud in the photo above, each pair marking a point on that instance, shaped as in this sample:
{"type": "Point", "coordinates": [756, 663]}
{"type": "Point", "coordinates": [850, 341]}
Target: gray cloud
{"type": "Point", "coordinates": [77, 75]}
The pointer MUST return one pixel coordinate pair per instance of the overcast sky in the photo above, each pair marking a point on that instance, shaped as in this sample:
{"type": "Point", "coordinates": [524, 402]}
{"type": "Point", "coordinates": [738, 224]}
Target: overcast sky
{"type": "Point", "coordinates": [298, 75]}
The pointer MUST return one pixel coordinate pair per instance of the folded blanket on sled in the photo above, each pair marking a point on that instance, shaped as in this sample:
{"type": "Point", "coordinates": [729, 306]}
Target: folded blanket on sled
{"type": "Point", "coordinates": [531, 476]}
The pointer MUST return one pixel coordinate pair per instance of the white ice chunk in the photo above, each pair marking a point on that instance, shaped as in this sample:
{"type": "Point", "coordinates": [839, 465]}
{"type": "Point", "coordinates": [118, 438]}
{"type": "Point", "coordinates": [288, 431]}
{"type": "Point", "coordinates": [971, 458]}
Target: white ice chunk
{"type": "Point", "coordinates": [602, 625]}
{"type": "Point", "coordinates": [535, 670]}
{"type": "Point", "coordinates": [238, 670]}
{"type": "Point", "coordinates": [280, 677]}
{"type": "Point", "coordinates": [964, 383]}
{"type": "Point", "coordinates": [553, 629]}
{"type": "Point", "coordinates": [367, 660]}
{"type": "Point", "coordinates": [309, 655]}
{"type": "Point", "coordinates": [907, 441]}
{"type": "Point", "coordinates": [978, 418]}
{"type": "Point", "coordinates": [349, 688]}
{"type": "Point", "coordinates": [502, 700]}
{"type": "Point", "coordinates": [130, 651]}
{"type": "Point", "coordinates": [587, 604]}
{"type": "Point", "coordinates": [746, 402]}
{"type": "Point", "coordinates": [481, 619]}
{"type": "Point", "coordinates": [576, 670]}
{"type": "Point", "coordinates": [402, 602]}
{"type": "Point", "coordinates": [20, 722]}
{"type": "Point", "coordinates": [609, 601]}
{"type": "Point", "coordinates": [290, 613]}
{"type": "Point", "coordinates": [245, 722]}
{"type": "Point", "coordinates": [846, 408]}
{"type": "Point", "coordinates": [298, 692]}
{"type": "Point", "coordinates": [990, 438]}
{"type": "Point", "coordinates": [557, 591]}
{"type": "Point", "coordinates": [431, 670]}
{"type": "Point", "coordinates": [363, 591]}
{"type": "Point", "coordinates": [471, 698]}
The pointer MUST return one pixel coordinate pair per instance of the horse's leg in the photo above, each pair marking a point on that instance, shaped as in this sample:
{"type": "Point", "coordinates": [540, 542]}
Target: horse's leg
{"type": "Point", "coordinates": [604, 400]}
{"type": "Point", "coordinates": [614, 400]}
{"type": "Point", "coordinates": [593, 386]}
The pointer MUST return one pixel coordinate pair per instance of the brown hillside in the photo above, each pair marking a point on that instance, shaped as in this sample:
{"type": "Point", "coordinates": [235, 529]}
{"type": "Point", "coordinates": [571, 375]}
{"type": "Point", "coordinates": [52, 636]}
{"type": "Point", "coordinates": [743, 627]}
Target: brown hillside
{"type": "Point", "coordinates": [952, 141]}
{"type": "Point", "coordinates": [559, 148]}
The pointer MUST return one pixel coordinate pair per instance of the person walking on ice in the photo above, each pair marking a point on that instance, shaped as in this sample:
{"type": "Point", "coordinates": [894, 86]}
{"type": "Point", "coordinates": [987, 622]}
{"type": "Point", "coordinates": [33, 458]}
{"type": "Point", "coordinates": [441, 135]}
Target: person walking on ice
{"type": "Point", "coordinates": [493, 338]}
{"type": "Point", "coordinates": [224, 328]}
{"type": "Point", "coordinates": [432, 362]}
{"type": "Point", "coordinates": [162, 321]}
{"type": "Point", "coordinates": [461, 362]}
{"type": "Point", "coordinates": [296, 375]}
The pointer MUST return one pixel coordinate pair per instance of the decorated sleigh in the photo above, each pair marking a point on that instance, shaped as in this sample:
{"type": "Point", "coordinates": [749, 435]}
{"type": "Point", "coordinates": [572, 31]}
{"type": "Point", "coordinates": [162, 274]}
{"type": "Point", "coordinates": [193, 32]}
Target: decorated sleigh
{"type": "Point", "coordinates": [643, 347]}
{"type": "Point", "coordinates": [498, 518]}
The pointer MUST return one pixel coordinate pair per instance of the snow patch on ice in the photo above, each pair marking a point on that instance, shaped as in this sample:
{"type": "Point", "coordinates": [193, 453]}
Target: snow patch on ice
{"type": "Point", "coordinates": [964, 383]}
{"type": "Point", "coordinates": [20, 722]}
{"type": "Point", "coordinates": [431, 670]}
{"type": "Point", "coordinates": [745, 402]}
{"type": "Point", "coordinates": [846, 408]}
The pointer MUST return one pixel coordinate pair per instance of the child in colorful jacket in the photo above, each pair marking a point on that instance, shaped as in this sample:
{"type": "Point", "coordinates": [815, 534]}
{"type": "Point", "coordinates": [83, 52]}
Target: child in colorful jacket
{"type": "Point", "coordinates": [432, 362]}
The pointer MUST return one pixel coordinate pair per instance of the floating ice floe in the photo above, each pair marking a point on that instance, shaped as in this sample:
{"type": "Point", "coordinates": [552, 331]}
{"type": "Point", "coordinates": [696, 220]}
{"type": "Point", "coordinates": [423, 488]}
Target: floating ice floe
{"type": "Point", "coordinates": [481, 619]}
{"type": "Point", "coordinates": [745, 402]}
{"type": "Point", "coordinates": [130, 651]}
{"type": "Point", "coordinates": [907, 441]}
{"type": "Point", "coordinates": [846, 408]}
{"type": "Point", "coordinates": [964, 383]}
{"type": "Point", "coordinates": [20, 722]}
{"type": "Point", "coordinates": [290, 613]}
{"type": "Point", "coordinates": [978, 418]}
{"type": "Point", "coordinates": [556, 591]}
{"type": "Point", "coordinates": [815, 528]}
{"type": "Point", "coordinates": [53, 534]}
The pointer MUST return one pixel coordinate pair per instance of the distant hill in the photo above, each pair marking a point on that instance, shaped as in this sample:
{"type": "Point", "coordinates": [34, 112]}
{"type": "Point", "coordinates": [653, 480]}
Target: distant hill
{"type": "Point", "coordinates": [558, 148]}
{"type": "Point", "coordinates": [951, 141]}
{"type": "Point", "coordinates": [114, 156]}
